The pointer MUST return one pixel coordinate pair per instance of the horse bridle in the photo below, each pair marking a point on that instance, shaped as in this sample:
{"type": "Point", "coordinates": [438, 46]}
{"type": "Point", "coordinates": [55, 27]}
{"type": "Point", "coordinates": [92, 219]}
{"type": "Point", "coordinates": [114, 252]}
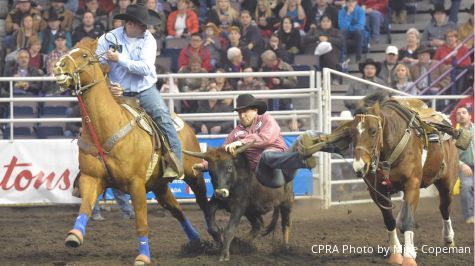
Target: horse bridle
{"type": "Point", "coordinates": [78, 88]}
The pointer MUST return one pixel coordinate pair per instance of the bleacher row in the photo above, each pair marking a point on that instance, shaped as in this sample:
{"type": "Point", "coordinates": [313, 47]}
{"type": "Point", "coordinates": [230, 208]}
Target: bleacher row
{"type": "Point", "coordinates": [37, 130]}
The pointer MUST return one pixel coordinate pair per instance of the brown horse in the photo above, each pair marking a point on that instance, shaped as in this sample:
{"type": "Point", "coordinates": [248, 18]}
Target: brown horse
{"type": "Point", "coordinates": [388, 167]}
{"type": "Point", "coordinates": [128, 160]}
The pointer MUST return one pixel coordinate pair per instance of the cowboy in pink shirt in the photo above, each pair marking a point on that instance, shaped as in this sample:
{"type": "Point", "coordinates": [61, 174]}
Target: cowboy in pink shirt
{"type": "Point", "coordinates": [268, 156]}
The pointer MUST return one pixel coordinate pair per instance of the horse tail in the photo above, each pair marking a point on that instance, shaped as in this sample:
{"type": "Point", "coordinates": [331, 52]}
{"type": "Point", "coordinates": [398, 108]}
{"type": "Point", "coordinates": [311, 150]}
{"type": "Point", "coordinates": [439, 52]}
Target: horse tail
{"type": "Point", "coordinates": [273, 223]}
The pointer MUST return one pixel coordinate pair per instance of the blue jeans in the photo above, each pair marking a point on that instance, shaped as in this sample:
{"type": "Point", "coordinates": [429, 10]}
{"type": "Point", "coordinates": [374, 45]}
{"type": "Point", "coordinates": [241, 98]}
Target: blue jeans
{"type": "Point", "coordinates": [357, 36]}
{"type": "Point", "coordinates": [373, 23]}
{"type": "Point", "coordinates": [466, 194]}
{"type": "Point", "coordinates": [121, 199]}
{"type": "Point", "coordinates": [153, 103]}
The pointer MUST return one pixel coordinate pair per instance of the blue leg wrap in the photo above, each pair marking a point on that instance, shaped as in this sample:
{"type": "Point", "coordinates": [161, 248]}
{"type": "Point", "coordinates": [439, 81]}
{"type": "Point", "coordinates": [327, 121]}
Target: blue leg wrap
{"type": "Point", "coordinates": [143, 246]}
{"type": "Point", "coordinates": [81, 223]}
{"type": "Point", "coordinates": [191, 233]}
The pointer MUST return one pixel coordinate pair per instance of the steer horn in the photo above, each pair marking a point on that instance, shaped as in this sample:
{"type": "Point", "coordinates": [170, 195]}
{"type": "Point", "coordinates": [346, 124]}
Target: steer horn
{"type": "Point", "coordinates": [244, 147]}
{"type": "Point", "coordinates": [195, 154]}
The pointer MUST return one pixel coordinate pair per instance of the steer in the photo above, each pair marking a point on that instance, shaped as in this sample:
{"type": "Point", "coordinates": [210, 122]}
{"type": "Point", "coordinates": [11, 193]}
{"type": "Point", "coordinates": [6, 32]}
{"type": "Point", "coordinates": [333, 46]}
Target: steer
{"type": "Point", "coordinates": [237, 190]}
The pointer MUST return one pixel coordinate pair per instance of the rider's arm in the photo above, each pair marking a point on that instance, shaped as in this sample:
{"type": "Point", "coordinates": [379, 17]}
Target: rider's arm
{"type": "Point", "coordinates": [268, 133]}
{"type": "Point", "coordinates": [145, 65]}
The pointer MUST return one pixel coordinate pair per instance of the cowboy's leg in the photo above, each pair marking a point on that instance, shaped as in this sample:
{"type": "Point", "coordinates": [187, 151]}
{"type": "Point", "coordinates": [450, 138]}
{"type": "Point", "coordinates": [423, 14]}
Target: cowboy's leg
{"type": "Point", "coordinates": [153, 103]}
{"type": "Point", "coordinates": [336, 142]}
{"type": "Point", "coordinates": [466, 194]}
{"type": "Point", "coordinates": [123, 201]}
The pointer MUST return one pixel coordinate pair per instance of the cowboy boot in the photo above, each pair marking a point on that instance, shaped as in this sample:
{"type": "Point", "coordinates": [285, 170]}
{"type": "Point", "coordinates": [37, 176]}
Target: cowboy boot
{"type": "Point", "coordinates": [173, 169]}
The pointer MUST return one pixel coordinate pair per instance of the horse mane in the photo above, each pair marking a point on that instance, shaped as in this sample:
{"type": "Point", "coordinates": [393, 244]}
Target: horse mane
{"type": "Point", "coordinates": [87, 43]}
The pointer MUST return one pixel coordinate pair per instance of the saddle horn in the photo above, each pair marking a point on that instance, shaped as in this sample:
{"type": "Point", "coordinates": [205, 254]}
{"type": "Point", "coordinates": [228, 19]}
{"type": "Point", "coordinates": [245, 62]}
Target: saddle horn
{"type": "Point", "coordinates": [195, 154]}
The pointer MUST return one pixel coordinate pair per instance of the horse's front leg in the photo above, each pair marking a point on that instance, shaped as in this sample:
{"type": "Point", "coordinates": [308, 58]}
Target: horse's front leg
{"type": "Point", "coordinates": [90, 188]}
{"type": "Point", "coordinates": [406, 219]}
{"type": "Point", "coordinates": [395, 247]}
{"type": "Point", "coordinates": [236, 213]}
{"type": "Point", "coordinates": [139, 200]}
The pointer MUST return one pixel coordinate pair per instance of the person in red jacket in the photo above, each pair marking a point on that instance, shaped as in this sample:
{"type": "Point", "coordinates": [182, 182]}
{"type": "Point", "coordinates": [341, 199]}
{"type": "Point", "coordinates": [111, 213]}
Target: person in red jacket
{"type": "Point", "coordinates": [451, 41]}
{"type": "Point", "coordinates": [195, 48]}
{"type": "Point", "coordinates": [182, 22]}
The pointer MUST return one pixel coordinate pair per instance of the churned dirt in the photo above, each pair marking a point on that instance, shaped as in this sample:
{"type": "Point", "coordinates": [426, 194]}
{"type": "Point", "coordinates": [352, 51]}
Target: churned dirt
{"type": "Point", "coordinates": [352, 233]}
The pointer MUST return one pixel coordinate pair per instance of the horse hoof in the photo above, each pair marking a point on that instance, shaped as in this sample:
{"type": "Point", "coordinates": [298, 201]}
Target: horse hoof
{"type": "Point", "coordinates": [409, 262]}
{"type": "Point", "coordinates": [141, 260]}
{"type": "Point", "coordinates": [74, 239]}
{"type": "Point", "coordinates": [395, 259]}
{"type": "Point", "coordinates": [450, 244]}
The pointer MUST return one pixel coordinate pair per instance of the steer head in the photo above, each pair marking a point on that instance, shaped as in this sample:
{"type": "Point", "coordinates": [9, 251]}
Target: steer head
{"type": "Point", "coordinates": [225, 169]}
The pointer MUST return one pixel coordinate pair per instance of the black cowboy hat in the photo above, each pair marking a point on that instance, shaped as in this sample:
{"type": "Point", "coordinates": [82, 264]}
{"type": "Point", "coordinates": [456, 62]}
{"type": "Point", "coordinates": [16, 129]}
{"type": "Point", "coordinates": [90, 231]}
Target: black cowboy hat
{"type": "Point", "coordinates": [139, 12]}
{"type": "Point", "coordinates": [439, 8]}
{"type": "Point", "coordinates": [247, 101]}
{"type": "Point", "coordinates": [425, 49]}
{"type": "Point", "coordinates": [369, 61]}
{"type": "Point", "coordinates": [53, 16]}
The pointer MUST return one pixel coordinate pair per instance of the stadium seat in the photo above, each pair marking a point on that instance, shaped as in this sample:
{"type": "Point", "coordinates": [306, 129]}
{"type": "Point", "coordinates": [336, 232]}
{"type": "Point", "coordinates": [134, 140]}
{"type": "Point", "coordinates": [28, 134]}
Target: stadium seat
{"type": "Point", "coordinates": [176, 43]}
{"type": "Point", "coordinates": [45, 132]}
{"type": "Point", "coordinates": [173, 54]}
{"type": "Point", "coordinates": [165, 63]}
{"type": "Point", "coordinates": [18, 133]}
{"type": "Point", "coordinates": [54, 111]}
{"type": "Point", "coordinates": [305, 59]}
{"type": "Point", "coordinates": [23, 111]}
{"type": "Point", "coordinates": [302, 82]}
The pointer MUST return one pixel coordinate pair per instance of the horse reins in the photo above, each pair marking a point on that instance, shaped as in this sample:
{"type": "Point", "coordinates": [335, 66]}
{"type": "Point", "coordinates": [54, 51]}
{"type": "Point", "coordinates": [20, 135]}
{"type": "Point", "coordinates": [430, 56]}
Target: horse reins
{"type": "Point", "coordinates": [374, 155]}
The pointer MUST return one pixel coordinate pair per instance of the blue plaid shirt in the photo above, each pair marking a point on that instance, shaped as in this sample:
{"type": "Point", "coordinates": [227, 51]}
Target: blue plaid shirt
{"type": "Point", "coordinates": [135, 70]}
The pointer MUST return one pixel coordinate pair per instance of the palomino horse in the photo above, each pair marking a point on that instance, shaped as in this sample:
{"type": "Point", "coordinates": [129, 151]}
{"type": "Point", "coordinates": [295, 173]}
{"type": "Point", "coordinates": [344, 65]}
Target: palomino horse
{"type": "Point", "coordinates": [128, 160]}
{"type": "Point", "coordinates": [388, 153]}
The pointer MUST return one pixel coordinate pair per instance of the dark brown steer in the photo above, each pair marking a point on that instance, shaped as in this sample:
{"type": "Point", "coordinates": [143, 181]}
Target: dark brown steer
{"type": "Point", "coordinates": [237, 190]}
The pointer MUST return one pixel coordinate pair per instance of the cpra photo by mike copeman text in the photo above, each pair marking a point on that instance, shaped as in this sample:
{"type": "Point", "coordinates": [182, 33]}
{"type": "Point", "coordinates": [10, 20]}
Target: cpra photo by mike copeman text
{"type": "Point", "coordinates": [385, 250]}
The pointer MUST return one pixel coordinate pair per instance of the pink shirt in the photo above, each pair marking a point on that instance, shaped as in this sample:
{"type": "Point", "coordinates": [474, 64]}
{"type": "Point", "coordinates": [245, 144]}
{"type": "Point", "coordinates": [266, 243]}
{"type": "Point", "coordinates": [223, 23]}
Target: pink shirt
{"type": "Point", "coordinates": [265, 131]}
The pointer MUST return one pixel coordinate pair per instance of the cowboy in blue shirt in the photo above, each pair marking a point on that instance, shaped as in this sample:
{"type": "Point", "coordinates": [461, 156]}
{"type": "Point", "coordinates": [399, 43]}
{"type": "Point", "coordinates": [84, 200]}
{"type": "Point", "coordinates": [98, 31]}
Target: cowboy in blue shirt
{"type": "Point", "coordinates": [130, 52]}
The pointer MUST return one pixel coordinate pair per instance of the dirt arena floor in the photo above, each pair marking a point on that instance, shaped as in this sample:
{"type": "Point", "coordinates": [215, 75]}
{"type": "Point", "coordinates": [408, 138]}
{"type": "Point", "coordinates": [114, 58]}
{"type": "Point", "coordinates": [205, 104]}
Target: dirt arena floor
{"type": "Point", "coordinates": [34, 236]}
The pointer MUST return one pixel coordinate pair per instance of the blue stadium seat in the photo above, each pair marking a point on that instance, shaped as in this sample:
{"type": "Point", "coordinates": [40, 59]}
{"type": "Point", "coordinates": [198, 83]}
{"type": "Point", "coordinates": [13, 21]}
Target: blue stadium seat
{"type": "Point", "coordinates": [23, 111]}
{"type": "Point", "coordinates": [173, 54]}
{"type": "Point", "coordinates": [54, 111]}
{"type": "Point", "coordinates": [302, 82]}
{"type": "Point", "coordinates": [43, 132]}
{"type": "Point", "coordinates": [18, 132]}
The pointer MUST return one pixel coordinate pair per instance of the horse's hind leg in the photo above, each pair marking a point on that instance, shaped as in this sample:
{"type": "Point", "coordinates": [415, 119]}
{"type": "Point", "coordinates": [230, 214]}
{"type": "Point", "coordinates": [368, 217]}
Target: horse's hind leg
{"type": "Point", "coordinates": [168, 201]}
{"type": "Point", "coordinates": [139, 200]}
{"type": "Point", "coordinates": [90, 188]}
{"type": "Point", "coordinates": [444, 206]}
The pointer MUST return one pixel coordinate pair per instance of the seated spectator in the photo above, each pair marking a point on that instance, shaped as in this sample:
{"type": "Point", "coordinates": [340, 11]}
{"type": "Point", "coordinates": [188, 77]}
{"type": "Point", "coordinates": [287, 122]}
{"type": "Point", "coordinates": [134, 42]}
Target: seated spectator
{"type": "Point", "coordinates": [61, 11]}
{"type": "Point", "coordinates": [250, 83]}
{"type": "Point", "coordinates": [221, 84]}
{"type": "Point", "coordinates": [293, 9]}
{"type": "Point", "coordinates": [403, 81]}
{"type": "Point", "coordinates": [399, 11]}
{"type": "Point", "coordinates": [453, 11]}
{"type": "Point", "coordinates": [466, 29]}
{"type": "Point", "coordinates": [249, 57]}
{"type": "Point", "coordinates": [213, 127]}
{"type": "Point", "coordinates": [15, 17]}
{"type": "Point", "coordinates": [106, 5]}
{"type": "Point", "coordinates": [407, 55]}
{"type": "Point", "coordinates": [47, 36]}
{"type": "Point", "coordinates": [212, 41]}
{"type": "Point", "coordinates": [270, 63]}
{"type": "Point", "coordinates": [235, 64]}
{"type": "Point", "coordinates": [351, 22]}
{"type": "Point", "coordinates": [195, 48]}
{"type": "Point", "coordinates": [20, 38]}
{"type": "Point", "coordinates": [192, 84]}
{"type": "Point", "coordinates": [388, 66]}
{"type": "Point", "coordinates": [182, 22]}
{"type": "Point", "coordinates": [320, 8]}
{"type": "Point", "coordinates": [250, 34]}
{"type": "Point", "coordinates": [50, 88]}
{"type": "Point", "coordinates": [375, 11]}
{"type": "Point", "coordinates": [89, 28]}
{"type": "Point", "coordinates": [451, 41]}
{"type": "Point", "coordinates": [223, 15]}
{"type": "Point", "coordinates": [278, 49]}
{"type": "Point", "coordinates": [21, 69]}
{"type": "Point", "coordinates": [434, 33]}
{"type": "Point", "coordinates": [295, 125]}
{"type": "Point", "coordinates": [325, 34]}
{"type": "Point", "coordinates": [425, 62]}
{"type": "Point", "coordinates": [97, 10]}
{"type": "Point", "coordinates": [121, 6]}
{"type": "Point", "coordinates": [37, 59]}
{"type": "Point", "coordinates": [265, 19]}
{"type": "Point", "coordinates": [289, 36]}
{"type": "Point", "coordinates": [370, 70]}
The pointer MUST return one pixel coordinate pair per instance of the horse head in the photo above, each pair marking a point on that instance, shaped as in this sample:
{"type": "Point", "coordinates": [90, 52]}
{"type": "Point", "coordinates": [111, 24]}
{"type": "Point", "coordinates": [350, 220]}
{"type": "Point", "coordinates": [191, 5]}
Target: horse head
{"type": "Point", "coordinates": [77, 69]}
{"type": "Point", "coordinates": [367, 137]}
